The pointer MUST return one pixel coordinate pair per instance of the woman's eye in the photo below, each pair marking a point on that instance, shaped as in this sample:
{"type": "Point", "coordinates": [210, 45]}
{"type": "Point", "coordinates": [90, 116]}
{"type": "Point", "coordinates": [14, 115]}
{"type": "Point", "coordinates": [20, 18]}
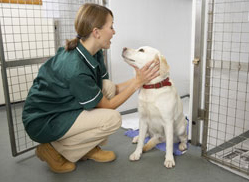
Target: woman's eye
{"type": "Point", "coordinates": [141, 50]}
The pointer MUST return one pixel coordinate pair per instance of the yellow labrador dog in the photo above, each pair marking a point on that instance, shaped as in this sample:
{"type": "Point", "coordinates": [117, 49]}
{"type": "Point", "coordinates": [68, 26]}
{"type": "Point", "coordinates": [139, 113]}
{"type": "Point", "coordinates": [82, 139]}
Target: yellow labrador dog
{"type": "Point", "coordinates": [160, 108]}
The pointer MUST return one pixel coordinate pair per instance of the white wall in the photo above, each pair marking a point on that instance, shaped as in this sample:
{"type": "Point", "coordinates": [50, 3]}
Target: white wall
{"type": "Point", "coordinates": [163, 24]}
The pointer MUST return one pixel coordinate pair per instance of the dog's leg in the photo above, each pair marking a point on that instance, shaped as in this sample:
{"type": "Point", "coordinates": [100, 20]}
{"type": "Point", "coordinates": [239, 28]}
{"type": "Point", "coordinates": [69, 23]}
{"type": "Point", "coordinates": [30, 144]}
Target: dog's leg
{"type": "Point", "coordinates": [169, 158]}
{"type": "Point", "coordinates": [182, 134]}
{"type": "Point", "coordinates": [151, 144]}
{"type": "Point", "coordinates": [135, 139]}
{"type": "Point", "coordinates": [183, 140]}
{"type": "Point", "coordinates": [142, 133]}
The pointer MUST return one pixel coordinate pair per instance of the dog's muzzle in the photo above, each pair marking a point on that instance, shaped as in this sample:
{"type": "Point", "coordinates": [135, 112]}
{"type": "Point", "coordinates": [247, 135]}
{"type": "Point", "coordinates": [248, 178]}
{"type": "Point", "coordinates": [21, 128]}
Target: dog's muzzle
{"type": "Point", "coordinates": [128, 59]}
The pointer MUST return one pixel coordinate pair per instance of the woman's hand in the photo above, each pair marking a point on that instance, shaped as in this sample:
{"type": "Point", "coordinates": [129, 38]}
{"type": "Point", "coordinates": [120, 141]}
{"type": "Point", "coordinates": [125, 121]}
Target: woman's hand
{"type": "Point", "coordinates": [147, 73]}
{"type": "Point", "coordinates": [143, 75]}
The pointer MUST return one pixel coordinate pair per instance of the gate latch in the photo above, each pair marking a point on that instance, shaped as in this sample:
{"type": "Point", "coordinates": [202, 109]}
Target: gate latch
{"type": "Point", "coordinates": [196, 61]}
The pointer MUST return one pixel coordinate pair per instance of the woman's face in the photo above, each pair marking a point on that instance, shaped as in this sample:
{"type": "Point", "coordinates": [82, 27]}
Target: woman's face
{"type": "Point", "coordinates": [106, 33]}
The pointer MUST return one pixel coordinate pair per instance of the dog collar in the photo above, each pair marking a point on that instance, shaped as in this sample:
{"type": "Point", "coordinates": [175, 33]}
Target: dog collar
{"type": "Point", "coordinates": [160, 84]}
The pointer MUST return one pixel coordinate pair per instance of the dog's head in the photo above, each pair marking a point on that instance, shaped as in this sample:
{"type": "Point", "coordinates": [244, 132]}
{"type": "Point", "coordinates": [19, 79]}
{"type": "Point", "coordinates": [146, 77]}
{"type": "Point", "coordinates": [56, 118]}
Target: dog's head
{"type": "Point", "coordinates": [139, 57]}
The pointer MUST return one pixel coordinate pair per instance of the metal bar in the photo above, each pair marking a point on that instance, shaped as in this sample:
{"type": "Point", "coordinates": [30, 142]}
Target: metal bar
{"type": "Point", "coordinates": [24, 62]}
{"type": "Point", "coordinates": [229, 143]}
{"type": "Point", "coordinates": [229, 65]}
{"type": "Point", "coordinates": [56, 35]}
{"type": "Point", "coordinates": [198, 54]}
{"type": "Point", "coordinates": [207, 79]}
{"type": "Point", "coordinates": [7, 98]}
{"type": "Point", "coordinates": [224, 163]}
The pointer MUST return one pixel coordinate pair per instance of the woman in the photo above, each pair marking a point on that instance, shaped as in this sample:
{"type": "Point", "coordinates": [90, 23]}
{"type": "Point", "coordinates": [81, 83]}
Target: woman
{"type": "Point", "coordinates": [70, 106]}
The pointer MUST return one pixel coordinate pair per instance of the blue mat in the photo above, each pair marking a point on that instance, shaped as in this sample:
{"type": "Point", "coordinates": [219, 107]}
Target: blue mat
{"type": "Point", "coordinates": [161, 146]}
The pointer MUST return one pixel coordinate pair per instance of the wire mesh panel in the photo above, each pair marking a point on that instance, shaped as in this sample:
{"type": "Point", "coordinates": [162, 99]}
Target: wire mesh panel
{"type": "Point", "coordinates": [227, 88]}
{"type": "Point", "coordinates": [31, 32]}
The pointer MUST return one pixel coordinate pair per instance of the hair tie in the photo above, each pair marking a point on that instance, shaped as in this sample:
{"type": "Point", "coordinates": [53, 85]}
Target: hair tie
{"type": "Point", "coordinates": [78, 36]}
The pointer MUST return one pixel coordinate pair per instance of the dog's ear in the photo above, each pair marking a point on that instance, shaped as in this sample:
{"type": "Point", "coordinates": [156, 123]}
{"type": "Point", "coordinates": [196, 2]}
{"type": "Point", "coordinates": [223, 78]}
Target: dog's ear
{"type": "Point", "coordinates": [164, 67]}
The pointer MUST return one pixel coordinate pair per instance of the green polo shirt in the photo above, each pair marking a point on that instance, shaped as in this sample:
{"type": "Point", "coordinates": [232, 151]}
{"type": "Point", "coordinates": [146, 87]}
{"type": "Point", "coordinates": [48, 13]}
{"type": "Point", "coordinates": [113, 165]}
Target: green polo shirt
{"type": "Point", "coordinates": [66, 84]}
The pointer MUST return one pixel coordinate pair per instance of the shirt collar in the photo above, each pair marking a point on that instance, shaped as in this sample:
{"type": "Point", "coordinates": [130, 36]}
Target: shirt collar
{"type": "Point", "coordinates": [87, 56]}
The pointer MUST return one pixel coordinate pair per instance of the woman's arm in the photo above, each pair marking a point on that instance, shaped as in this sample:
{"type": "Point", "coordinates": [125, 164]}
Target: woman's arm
{"type": "Point", "coordinates": [121, 86]}
{"type": "Point", "coordinates": [143, 76]}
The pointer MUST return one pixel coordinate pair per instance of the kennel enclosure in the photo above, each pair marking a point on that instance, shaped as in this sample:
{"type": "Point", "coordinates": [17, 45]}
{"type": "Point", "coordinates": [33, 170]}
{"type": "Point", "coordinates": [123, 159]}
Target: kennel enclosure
{"type": "Point", "coordinates": [222, 106]}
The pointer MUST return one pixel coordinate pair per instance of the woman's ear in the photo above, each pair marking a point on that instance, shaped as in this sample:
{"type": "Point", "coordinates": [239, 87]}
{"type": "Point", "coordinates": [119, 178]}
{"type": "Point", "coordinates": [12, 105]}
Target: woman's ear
{"type": "Point", "coordinates": [95, 33]}
{"type": "Point", "coordinates": [164, 67]}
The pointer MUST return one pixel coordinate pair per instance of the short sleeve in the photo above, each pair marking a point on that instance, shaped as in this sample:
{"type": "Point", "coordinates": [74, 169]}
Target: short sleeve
{"type": "Point", "coordinates": [100, 57]}
{"type": "Point", "coordinates": [85, 90]}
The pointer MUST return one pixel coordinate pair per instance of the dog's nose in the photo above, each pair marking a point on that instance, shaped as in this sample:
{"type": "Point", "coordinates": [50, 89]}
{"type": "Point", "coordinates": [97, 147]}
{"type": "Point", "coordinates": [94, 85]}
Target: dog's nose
{"type": "Point", "coordinates": [124, 49]}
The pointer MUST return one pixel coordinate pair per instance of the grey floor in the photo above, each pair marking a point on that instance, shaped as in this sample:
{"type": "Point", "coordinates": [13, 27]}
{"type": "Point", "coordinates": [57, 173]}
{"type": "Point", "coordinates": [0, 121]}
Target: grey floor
{"type": "Point", "coordinates": [189, 167]}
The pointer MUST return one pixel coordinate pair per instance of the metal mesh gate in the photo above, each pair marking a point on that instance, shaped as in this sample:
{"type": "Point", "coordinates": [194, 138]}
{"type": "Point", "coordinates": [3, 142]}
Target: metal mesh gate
{"type": "Point", "coordinates": [31, 31]}
{"type": "Point", "coordinates": [226, 128]}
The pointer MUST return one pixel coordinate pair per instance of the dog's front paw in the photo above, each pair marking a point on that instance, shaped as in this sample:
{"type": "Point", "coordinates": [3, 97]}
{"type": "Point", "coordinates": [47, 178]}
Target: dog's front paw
{"type": "Point", "coordinates": [135, 156]}
{"type": "Point", "coordinates": [135, 139]}
{"type": "Point", "coordinates": [182, 146]}
{"type": "Point", "coordinates": [169, 162]}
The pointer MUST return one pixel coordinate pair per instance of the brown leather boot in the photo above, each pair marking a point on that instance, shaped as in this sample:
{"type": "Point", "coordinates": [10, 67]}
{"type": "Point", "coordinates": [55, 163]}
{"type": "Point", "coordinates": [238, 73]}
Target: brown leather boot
{"type": "Point", "coordinates": [99, 155]}
{"type": "Point", "coordinates": [55, 160]}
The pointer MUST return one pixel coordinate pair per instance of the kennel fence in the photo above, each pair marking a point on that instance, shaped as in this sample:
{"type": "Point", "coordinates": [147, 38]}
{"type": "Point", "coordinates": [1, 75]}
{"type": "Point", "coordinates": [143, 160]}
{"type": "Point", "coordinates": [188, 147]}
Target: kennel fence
{"type": "Point", "coordinates": [31, 32]}
{"type": "Point", "coordinates": [226, 123]}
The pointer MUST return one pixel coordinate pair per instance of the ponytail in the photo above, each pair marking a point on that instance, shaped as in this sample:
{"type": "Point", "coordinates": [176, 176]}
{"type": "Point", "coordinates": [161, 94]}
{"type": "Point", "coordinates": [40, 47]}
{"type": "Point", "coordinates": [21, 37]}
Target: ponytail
{"type": "Point", "coordinates": [71, 44]}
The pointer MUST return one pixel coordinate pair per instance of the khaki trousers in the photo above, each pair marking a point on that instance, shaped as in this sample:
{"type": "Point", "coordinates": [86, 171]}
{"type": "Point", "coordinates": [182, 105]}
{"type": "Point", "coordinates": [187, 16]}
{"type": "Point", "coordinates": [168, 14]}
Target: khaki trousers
{"type": "Point", "coordinates": [90, 129]}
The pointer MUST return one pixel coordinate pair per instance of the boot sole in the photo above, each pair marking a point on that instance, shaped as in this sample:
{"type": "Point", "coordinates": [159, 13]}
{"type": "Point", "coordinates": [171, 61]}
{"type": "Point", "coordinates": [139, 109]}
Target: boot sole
{"type": "Point", "coordinates": [85, 158]}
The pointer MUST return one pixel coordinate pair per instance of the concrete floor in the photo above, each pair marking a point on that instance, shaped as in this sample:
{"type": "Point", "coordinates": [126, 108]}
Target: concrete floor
{"type": "Point", "coordinates": [189, 167]}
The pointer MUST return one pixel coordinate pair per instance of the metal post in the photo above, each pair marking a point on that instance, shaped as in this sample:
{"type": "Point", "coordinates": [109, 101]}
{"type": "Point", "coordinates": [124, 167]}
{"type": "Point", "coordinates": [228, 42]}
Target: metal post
{"type": "Point", "coordinates": [198, 64]}
{"type": "Point", "coordinates": [6, 96]}
{"type": "Point", "coordinates": [207, 79]}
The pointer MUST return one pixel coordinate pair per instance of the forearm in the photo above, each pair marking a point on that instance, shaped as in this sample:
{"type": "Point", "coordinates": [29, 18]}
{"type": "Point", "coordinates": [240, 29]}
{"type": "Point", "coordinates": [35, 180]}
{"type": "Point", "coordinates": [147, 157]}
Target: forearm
{"type": "Point", "coordinates": [120, 87]}
{"type": "Point", "coordinates": [121, 97]}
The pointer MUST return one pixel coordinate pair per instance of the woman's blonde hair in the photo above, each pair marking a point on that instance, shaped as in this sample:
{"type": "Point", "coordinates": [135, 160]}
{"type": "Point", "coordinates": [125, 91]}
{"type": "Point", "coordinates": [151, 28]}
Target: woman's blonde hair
{"type": "Point", "coordinates": [89, 16]}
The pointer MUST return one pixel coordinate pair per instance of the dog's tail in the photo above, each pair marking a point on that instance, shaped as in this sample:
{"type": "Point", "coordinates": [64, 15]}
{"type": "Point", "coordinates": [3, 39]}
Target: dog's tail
{"type": "Point", "coordinates": [151, 144]}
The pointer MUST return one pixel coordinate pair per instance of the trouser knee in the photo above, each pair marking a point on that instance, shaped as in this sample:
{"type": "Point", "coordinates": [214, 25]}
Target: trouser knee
{"type": "Point", "coordinates": [114, 122]}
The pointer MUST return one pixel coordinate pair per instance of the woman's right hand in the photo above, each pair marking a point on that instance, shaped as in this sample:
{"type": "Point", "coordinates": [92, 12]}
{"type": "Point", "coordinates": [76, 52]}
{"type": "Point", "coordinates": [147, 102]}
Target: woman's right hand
{"type": "Point", "coordinates": [147, 73]}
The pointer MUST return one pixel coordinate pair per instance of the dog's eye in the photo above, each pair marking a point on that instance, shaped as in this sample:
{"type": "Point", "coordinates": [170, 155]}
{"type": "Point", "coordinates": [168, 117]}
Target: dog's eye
{"type": "Point", "coordinates": [141, 50]}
